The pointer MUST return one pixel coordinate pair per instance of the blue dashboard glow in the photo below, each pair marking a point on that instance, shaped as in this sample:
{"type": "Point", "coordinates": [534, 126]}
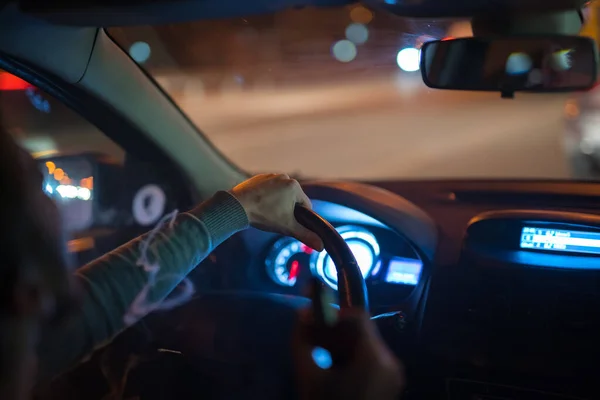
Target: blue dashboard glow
{"type": "Point", "coordinates": [364, 257]}
{"type": "Point", "coordinates": [405, 271]}
{"type": "Point", "coordinates": [364, 247]}
{"type": "Point", "coordinates": [340, 213]}
{"type": "Point", "coordinates": [560, 240]}
{"type": "Point", "coordinates": [322, 358]}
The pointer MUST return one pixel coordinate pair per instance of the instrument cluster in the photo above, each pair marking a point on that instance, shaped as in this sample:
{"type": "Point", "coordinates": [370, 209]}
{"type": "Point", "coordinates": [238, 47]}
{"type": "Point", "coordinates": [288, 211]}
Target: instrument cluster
{"type": "Point", "coordinates": [381, 256]}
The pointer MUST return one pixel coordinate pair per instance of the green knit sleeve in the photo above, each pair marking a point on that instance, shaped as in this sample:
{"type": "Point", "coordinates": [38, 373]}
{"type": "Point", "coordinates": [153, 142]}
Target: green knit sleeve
{"type": "Point", "coordinates": [128, 282]}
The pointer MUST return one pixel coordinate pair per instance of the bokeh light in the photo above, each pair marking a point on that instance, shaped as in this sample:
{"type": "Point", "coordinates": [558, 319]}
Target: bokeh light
{"type": "Point", "coordinates": [51, 167]}
{"type": "Point", "coordinates": [408, 59]}
{"type": "Point", "coordinates": [518, 64]}
{"type": "Point", "coordinates": [59, 174]}
{"type": "Point", "coordinates": [561, 60]}
{"type": "Point", "coordinates": [87, 182]}
{"type": "Point", "coordinates": [84, 193]}
{"type": "Point", "coordinates": [344, 51]}
{"type": "Point", "coordinates": [357, 33]}
{"type": "Point", "coordinates": [571, 109]}
{"type": "Point", "coordinates": [140, 52]}
{"type": "Point", "coordinates": [71, 192]}
{"type": "Point", "coordinates": [67, 191]}
{"type": "Point", "coordinates": [361, 15]}
{"type": "Point", "coordinates": [322, 358]}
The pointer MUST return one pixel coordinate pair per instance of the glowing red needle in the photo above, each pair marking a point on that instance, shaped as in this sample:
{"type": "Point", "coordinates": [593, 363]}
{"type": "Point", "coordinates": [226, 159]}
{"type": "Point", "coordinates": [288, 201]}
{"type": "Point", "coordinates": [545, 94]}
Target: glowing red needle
{"type": "Point", "coordinates": [306, 249]}
{"type": "Point", "coordinates": [293, 270]}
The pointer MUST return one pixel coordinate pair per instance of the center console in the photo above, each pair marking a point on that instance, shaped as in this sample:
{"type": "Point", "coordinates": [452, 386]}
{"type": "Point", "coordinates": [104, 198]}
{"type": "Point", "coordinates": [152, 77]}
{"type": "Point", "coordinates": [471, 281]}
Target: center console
{"type": "Point", "coordinates": [518, 316]}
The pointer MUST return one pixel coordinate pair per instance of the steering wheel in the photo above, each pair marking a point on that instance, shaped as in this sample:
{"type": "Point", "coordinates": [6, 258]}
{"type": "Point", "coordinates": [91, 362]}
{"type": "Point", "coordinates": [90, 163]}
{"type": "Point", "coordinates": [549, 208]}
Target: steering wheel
{"type": "Point", "coordinates": [352, 291]}
{"type": "Point", "coordinates": [237, 344]}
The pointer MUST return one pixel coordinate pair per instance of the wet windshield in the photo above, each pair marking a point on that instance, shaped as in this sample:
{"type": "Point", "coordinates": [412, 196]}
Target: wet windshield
{"type": "Point", "coordinates": [336, 93]}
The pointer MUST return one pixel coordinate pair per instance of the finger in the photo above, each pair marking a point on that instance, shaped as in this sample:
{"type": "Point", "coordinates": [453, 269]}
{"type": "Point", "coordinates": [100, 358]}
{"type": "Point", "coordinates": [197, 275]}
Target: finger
{"type": "Point", "coordinates": [325, 315]}
{"type": "Point", "coordinates": [306, 236]}
{"type": "Point", "coordinates": [302, 198]}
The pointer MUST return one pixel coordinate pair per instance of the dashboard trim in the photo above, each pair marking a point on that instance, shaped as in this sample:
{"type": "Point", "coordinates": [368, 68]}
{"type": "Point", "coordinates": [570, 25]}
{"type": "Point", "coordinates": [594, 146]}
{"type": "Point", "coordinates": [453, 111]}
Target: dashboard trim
{"type": "Point", "coordinates": [542, 215]}
{"type": "Point", "coordinates": [399, 214]}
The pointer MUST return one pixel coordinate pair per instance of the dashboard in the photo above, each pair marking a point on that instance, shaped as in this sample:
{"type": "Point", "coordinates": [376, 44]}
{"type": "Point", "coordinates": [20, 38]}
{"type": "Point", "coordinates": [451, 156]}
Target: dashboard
{"type": "Point", "coordinates": [485, 290]}
{"type": "Point", "coordinates": [499, 297]}
{"type": "Point", "coordinates": [510, 309]}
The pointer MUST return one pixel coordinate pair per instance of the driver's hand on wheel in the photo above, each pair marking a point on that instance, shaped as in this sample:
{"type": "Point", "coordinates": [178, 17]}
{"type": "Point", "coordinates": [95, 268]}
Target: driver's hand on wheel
{"type": "Point", "coordinates": [269, 201]}
{"type": "Point", "coordinates": [355, 363]}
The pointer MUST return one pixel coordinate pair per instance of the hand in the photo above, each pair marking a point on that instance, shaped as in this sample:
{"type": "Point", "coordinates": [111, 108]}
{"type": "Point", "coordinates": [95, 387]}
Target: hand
{"type": "Point", "coordinates": [362, 366]}
{"type": "Point", "coordinates": [269, 201]}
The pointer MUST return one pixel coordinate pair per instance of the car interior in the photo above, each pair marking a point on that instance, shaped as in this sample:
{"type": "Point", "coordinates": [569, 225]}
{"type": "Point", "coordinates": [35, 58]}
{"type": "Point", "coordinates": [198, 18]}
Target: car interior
{"type": "Point", "coordinates": [484, 288]}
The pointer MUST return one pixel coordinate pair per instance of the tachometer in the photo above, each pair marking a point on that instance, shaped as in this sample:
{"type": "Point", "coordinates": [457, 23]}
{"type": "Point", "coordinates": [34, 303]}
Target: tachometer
{"type": "Point", "coordinates": [363, 245]}
{"type": "Point", "coordinates": [285, 261]}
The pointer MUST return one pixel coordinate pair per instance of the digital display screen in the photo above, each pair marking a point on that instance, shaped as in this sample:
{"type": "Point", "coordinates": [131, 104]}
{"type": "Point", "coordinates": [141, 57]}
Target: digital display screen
{"type": "Point", "coordinates": [404, 271]}
{"type": "Point", "coordinates": [560, 240]}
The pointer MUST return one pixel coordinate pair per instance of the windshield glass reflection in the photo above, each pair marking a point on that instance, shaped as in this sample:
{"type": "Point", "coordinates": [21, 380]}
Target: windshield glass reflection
{"type": "Point", "coordinates": [337, 93]}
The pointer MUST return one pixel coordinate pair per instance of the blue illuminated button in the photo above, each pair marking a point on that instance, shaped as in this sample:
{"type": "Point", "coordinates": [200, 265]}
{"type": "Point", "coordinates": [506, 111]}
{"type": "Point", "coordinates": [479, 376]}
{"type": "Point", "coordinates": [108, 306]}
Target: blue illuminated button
{"type": "Point", "coordinates": [322, 358]}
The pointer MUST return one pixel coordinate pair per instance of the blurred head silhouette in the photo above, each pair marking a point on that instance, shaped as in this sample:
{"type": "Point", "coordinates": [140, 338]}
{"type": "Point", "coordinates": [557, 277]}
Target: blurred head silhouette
{"type": "Point", "coordinates": [34, 279]}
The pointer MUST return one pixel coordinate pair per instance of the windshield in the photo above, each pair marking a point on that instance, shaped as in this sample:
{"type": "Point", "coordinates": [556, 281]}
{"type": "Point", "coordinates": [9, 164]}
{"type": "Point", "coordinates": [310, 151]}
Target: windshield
{"type": "Point", "coordinates": [336, 93]}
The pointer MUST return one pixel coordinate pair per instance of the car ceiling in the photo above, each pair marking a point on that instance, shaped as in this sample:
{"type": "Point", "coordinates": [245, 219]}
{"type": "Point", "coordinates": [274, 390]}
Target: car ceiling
{"type": "Point", "coordinates": [143, 12]}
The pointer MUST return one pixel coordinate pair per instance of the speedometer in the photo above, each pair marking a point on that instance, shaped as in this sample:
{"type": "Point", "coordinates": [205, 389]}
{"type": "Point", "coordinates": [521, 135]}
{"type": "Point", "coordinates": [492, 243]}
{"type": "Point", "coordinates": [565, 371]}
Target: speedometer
{"type": "Point", "coordinates": [364, 247]}
{"type": "Point", "coordinates": [286, 260]}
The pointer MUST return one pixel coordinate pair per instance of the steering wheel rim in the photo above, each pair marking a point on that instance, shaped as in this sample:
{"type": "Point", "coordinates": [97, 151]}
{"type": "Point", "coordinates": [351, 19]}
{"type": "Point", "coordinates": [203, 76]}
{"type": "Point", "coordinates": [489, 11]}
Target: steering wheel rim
{"type": "Point", "coordinates": [352, 290]}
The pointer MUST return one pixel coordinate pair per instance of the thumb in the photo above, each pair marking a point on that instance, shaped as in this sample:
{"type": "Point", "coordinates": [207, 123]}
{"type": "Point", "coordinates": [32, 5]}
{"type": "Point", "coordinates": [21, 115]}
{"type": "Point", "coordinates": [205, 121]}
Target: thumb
{"type": "Point", "coordinates": [306, 236]}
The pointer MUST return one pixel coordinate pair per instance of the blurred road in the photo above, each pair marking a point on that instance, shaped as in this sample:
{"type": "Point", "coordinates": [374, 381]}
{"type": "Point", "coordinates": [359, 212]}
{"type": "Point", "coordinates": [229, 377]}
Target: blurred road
{"type": "Point", "coordinates": [362, 130]}
{"type": "Point", "coordinates": [386, 129]}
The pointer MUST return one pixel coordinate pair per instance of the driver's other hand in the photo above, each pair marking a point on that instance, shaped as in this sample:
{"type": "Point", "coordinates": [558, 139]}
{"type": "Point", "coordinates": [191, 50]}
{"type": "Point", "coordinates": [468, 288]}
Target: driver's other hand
{"type": "Point", "coordinates": [361, 366]}
{"type": "Point", "coordinates": [269, 201]}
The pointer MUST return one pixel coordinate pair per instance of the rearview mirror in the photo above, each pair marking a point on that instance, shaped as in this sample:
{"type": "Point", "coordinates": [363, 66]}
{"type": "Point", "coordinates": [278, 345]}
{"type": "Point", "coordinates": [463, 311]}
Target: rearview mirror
{"type": "Point", "coordinates": [511, 64]}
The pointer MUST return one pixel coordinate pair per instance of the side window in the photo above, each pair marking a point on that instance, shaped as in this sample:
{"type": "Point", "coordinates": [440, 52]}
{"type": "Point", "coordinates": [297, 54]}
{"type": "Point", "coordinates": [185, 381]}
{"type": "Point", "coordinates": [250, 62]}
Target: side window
{"type": "Point", "coordinates": [105, 196]}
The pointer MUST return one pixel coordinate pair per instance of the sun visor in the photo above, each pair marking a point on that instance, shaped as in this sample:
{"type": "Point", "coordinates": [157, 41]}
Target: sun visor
{"type": "Point", "coordinates": [107, 13]}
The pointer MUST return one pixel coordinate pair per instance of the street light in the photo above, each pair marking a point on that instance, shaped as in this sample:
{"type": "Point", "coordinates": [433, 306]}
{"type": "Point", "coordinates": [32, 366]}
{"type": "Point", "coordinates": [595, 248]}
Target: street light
{"type": "Point", "coordinates": [408, 59]}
